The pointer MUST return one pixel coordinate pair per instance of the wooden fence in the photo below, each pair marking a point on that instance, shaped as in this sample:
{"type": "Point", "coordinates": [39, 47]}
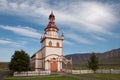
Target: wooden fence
{"type": "Point", "coordinates": [32, 73]}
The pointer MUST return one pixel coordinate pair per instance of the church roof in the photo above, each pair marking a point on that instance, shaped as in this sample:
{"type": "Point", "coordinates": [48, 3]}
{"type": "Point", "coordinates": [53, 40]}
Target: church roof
{"type": "Point", "coordinates": [51, 23]}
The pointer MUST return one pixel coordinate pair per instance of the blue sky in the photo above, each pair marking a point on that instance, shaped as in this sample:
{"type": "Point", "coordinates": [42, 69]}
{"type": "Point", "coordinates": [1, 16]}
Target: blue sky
{"type": "Point", "coordinates": [88, 25]}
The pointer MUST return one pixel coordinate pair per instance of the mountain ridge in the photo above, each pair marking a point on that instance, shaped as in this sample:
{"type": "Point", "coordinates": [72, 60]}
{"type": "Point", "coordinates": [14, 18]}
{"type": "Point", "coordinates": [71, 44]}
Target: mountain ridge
{"type": "Point", "coordinates": [108, 57]}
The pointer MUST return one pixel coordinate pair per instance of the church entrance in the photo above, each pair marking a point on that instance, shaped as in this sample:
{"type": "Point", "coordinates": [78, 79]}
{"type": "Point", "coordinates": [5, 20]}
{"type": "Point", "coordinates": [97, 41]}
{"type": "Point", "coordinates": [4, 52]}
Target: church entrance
{"type": "Point", "coordinates": [54, 66]}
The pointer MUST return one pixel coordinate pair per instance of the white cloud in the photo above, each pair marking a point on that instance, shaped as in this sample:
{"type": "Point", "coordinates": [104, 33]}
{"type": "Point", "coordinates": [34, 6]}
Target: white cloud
{"type": "Point", "coordinates": [12, 43]}
{"type": "Point", "coordinates": [5, 42]}
{"type": "Point", "coordinates": [66, 42]}
{"type": "Point", "coordinates": [24, 31]}
{"type": "Point", "coordinates": [84, 16]}
{"type": "Point", "coordinates": [99, 38]}
{"type": "Point", "coordinates": [77, 16]}
{"type": "Point", "coordinates": [89, 17]}
{"type": "Point", "coordinates": [78, 39]}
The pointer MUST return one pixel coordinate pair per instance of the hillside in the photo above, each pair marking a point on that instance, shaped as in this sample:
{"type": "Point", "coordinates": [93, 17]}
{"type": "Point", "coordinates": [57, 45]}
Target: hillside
{"type": "Point", "coordinates": [4, 66]}
{"type": "Point", "coordinates": [108, 57]}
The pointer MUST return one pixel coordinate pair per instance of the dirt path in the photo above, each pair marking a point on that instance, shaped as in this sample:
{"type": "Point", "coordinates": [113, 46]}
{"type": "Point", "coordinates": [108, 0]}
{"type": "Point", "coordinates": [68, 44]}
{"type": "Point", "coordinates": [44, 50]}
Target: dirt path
{"type": "Point", "coordinates": [3, 74]}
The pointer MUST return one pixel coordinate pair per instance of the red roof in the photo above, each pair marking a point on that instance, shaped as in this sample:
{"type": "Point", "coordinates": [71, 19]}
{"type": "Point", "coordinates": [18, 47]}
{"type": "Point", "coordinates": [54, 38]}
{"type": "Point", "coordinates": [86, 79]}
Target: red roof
{"type": "Point", "coordinates": [51, 24]}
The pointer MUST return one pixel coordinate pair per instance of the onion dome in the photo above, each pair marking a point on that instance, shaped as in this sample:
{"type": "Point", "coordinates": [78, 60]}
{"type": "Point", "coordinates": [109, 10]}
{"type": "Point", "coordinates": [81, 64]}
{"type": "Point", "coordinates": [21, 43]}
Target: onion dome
{"type": "Point", "coordinates": [51, 23]}
{"type": "Point", "coordinates": [51, 16]}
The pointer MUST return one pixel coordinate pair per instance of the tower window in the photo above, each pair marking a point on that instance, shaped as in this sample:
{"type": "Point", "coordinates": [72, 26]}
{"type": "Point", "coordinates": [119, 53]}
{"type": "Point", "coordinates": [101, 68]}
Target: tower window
{"type": "Point", "coordinates": [58, 44]}
{"type": "Point", "coordinates": [50, 43]}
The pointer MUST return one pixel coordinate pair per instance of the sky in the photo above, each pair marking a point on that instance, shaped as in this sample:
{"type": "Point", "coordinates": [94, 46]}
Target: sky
{"type": "Point", "coordinates": [88, 25]}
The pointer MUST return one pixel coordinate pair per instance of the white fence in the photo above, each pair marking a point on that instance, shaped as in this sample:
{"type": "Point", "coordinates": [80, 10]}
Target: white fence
{"type": "Point", "coordinates": [110, 71]}
{"type": "Point", "coordinates": [37, 73]}
{"type": "Point", "coordinates": [32, 73]}
{"type": "Point", "coordinates": [81, 71]}
{"type": "Point", "coordinates": [66, 70]}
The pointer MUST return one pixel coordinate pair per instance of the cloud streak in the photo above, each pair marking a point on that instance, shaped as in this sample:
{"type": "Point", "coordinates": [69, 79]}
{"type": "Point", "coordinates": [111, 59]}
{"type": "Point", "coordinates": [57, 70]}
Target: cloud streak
{"type": "Point", "coordinates": [99, 38]}
{"type": "Point", "coordinates": [66, 42]}
{"type": "Point", "coordinates": [12, 43]}
{"type": "Point", "coordinates": [81, 16]}
{"type": "Point", "coordinates": [24, 31]}
{"type": "Point", "coordinates": [87, 24]}
{"type": "Point", "coordinates": [78, 39]}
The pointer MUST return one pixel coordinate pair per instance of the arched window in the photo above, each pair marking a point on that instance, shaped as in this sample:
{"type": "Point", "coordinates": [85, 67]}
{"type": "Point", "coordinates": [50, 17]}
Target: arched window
{"type": "Point", "coordinates": [50, 43]}
{"type": "Point", "coordinates": [58, 45]}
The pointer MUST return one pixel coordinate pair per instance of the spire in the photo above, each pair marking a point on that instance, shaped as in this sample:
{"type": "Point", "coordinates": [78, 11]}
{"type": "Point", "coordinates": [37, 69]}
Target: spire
{"type": "Point", "coordinates": [51, 23]}
{"type": "Point", "coordinates": [51, 17]}
{"type": "Point", "coordinates": [62, 35]}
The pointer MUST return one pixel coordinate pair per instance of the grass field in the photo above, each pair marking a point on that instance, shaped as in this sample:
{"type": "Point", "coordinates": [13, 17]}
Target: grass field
{"type": "Point", "coordinates": [102, 76]}
{"type": "Point", "coordinates": [3, 66]}
{"type": "Point", "coordinates": [57, 77]}
{"type": "Point", "coordinates": [101, 66]}
{"type": "Point", "coordinates": [42, 78]}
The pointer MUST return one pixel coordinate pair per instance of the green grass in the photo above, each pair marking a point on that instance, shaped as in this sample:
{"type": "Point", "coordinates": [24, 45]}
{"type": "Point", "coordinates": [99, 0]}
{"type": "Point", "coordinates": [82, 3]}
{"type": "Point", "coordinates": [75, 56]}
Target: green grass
{"type": "Point", "coordinates": [57, 77]}
{"type": "Point", "coordinates": [41, 78]}
{"type": "Point", "coordinates": [101, 66]}
{"type": "Point", "coordinates": [102, 76]}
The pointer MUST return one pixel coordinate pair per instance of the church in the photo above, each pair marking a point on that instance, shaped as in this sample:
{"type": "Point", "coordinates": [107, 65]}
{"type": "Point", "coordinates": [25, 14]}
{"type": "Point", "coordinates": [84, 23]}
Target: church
{"type": "Point", "coordinates": [50, 56]}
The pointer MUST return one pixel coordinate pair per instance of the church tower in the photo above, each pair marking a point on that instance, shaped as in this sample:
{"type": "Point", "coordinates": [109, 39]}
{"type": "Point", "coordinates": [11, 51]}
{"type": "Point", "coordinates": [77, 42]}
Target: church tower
{"type": "Point", "coordinates": [49, 56]}
{"type": "Point", "coordinates": [53, 45]}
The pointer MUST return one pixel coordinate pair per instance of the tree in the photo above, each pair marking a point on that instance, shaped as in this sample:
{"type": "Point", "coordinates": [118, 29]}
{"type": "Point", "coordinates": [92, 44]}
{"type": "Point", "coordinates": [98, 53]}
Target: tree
{"type": "Point", "coordinates": [20, 61]}
{"type": "Point", "coordinates": [93, 62]}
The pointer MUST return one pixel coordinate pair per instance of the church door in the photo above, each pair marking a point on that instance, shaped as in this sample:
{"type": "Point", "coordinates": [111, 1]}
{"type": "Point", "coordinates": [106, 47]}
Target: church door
{"type": "Point", "coordinates": [54, 66]}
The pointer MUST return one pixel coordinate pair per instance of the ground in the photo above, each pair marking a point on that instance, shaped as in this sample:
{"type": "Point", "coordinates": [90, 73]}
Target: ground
{"type": "Point", "coordinates": [42, 78]}
{"type": "Point", "coordinates": [102, 76]}
{"type": "Point", "coordinates": [3, 74]}
{"type": "Point", "coordinates": [70, 77]}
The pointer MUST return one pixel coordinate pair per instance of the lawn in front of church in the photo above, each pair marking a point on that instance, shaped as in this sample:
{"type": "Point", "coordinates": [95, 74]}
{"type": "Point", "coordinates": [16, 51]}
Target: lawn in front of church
{"type": "Point", "coordinates": [42, 78]}
{"type": "Point", "coordinates": [102, 76]}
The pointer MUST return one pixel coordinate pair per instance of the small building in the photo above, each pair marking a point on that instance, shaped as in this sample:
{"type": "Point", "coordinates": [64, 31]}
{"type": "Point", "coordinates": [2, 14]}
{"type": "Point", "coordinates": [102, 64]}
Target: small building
{"type": "Point", "coordinates": [50, 56]}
